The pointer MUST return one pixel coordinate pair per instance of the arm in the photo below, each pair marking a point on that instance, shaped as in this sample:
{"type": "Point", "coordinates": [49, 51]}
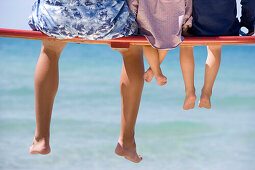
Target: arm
{"type": "Point", "coordinates": [133, 5]}
{"type": "Point", "coordinates": [187, 21]}
{"type": "Point", "coordinates": [248, 15]}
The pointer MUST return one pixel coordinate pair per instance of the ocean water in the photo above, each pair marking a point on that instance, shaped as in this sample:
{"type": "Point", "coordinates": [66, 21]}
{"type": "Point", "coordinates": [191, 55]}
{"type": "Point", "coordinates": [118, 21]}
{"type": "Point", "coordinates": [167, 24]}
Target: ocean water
{"type": "Point", "coordinates": [86, 116]}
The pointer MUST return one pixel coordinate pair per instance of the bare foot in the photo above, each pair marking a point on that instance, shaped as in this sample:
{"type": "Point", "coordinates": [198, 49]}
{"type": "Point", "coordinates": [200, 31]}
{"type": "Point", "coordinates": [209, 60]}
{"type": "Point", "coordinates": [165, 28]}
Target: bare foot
{"type": "Point", "coordinates": [128, 152]}
{"type": "Point", "coordinates": [205, 101]}
{"type": "Point", "coordinates": [148, 75]}
{"type": "Point", "coordinates": [161, 79]}
{"type": "Point", "coordinates": [40, 147]}
{"type": "Point", "coordinates": [189, 102]}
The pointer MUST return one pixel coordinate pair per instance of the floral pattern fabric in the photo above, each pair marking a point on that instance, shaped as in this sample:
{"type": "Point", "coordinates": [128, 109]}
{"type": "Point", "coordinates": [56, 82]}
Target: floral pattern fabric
{"type": "Point", "coordinates": [88, 19]}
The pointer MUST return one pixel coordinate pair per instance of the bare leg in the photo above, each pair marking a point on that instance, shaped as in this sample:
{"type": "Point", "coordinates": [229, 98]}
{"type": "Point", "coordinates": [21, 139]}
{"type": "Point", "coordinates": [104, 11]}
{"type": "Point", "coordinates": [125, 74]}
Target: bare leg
{"type": "Point", "coordinates": [188, 66]}
{"type": "Point", "coordinates": [162, 55]}
{"type": "Point", "coordinates": [152, 56]}
{"type": "Point", "coordinates": [46, 85]}
{"type": "Point", "coordinates": [148, 75]}
{"type": "Point", "coordinates": [131, 86]}
{"type": "Point", "coordinates": [211, 71]}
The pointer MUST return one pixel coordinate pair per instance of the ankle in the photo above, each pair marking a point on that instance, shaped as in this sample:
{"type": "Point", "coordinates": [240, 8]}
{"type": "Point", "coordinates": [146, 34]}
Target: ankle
{"type": "Point", "coordinates": [149, 69]}
{"type": "Point", "coordinates": [41, 138]}
{"type": "Point", "coordinates": [190, 91]}
{"type": "Point", "coordinates": [126, 142]}
{"type": "Point", "coordinates": [206, 91]}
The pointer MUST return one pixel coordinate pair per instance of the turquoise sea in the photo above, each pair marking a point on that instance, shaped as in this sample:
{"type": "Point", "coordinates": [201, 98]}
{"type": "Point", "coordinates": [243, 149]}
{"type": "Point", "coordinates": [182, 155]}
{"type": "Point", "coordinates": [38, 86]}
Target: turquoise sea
{"type": "Point", "coordinates": [86, 116]}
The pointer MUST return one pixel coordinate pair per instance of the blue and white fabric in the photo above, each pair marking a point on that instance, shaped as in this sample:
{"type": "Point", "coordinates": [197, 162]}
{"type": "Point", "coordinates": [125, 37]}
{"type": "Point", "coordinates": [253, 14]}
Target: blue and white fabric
{"type": "Point", "coordinates": [88, 19]}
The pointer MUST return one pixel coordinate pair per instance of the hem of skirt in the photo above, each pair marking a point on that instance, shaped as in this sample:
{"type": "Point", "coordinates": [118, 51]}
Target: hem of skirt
{"type": "Point", "coordinates": [34, 27]}
{"type": "Point", "coordinates": [170, 48]}
{"type": "Point", "coordinates": [50, 35]}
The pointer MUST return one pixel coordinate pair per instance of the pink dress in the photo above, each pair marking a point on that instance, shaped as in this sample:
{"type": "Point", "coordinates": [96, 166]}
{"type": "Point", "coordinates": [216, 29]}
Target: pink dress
{"type": "Point", "coordinates": [161, 21]}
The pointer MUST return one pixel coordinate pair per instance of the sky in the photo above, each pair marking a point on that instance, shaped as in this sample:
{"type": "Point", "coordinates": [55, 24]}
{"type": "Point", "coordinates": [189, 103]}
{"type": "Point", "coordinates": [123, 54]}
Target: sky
{"type": "Point", "coordinates": [14, 13]}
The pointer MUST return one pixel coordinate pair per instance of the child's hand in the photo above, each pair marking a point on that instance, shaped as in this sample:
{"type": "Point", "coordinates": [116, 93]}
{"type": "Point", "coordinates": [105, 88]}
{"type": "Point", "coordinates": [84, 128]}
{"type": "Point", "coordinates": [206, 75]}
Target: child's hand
{"type": "Point", "coordinates": [186, 33]}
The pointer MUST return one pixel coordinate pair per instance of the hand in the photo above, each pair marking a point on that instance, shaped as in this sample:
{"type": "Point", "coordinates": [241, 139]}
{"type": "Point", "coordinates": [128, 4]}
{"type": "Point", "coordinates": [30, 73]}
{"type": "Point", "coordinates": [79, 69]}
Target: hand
{"type": "Point", "coordinates": [186, 32]}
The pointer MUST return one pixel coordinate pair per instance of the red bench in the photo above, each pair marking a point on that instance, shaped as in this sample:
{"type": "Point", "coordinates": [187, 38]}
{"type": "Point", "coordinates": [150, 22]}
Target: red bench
{"type": "Point", "coordinates": [133, 40]}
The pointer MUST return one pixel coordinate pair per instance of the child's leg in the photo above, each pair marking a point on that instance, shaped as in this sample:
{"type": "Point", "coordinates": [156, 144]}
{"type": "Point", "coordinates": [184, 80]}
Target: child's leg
{"type": "Point", "coordinates": [149, 73]}
{"type": "Point", "coordinates": [211, 71]}
{"type": "Point", "coordinates": [152, 56]}
{"type": "Point", "coordinates": [188, 66]}
{"type": "Point", "coordinates": [131, 86]}
{"type": "Point", "coordinates": [46, 85]}
{"type": "Point", "coordinates": [162, 55]}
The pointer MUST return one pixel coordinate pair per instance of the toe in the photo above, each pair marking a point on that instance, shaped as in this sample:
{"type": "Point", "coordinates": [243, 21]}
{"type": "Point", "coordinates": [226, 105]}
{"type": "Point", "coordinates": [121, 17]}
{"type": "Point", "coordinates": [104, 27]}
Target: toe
{"type": "Point", "coordinates": [140, 157]}
{"type": "Point", "coordinates": [135, 159]}
{"type": "Point", "coordinates": [146, 77]}
{"type": "Point", "coordinates": [204, 104]}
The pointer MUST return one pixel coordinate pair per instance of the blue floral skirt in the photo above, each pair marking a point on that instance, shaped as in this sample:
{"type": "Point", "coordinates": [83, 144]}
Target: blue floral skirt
{"type": "Point", "coordinates": [88, 19]}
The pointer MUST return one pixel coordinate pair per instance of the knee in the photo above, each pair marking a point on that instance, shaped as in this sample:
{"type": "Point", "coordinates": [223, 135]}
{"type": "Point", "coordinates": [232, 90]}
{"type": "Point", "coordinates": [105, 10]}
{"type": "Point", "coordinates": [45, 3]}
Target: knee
{"type": "Point", "coordinates": [121, 50]}
{"type": "Point", "coordinates": [214, 47]}
{"type": "Point", "coordinates": [186, 47]}
{"type": "Point", "coordinates": [214, 51]}
{"type": "Point", "coordinates": [51, 54]}
{"type": "Point", "coordinates": [132, 76]}
{"type": "Point", "coordinates": [132, 52]}
{"type": "Point", "coordinates": [138, 79]}
{"type": "Point", "coordinates": [52, 49]}
{"type": "Point", "coordinates": [132, 85]}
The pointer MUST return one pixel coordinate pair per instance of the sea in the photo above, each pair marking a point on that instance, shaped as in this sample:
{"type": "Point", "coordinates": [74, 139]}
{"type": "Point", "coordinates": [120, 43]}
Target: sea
{"type": "Point", "coordinates": [86, 115]}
